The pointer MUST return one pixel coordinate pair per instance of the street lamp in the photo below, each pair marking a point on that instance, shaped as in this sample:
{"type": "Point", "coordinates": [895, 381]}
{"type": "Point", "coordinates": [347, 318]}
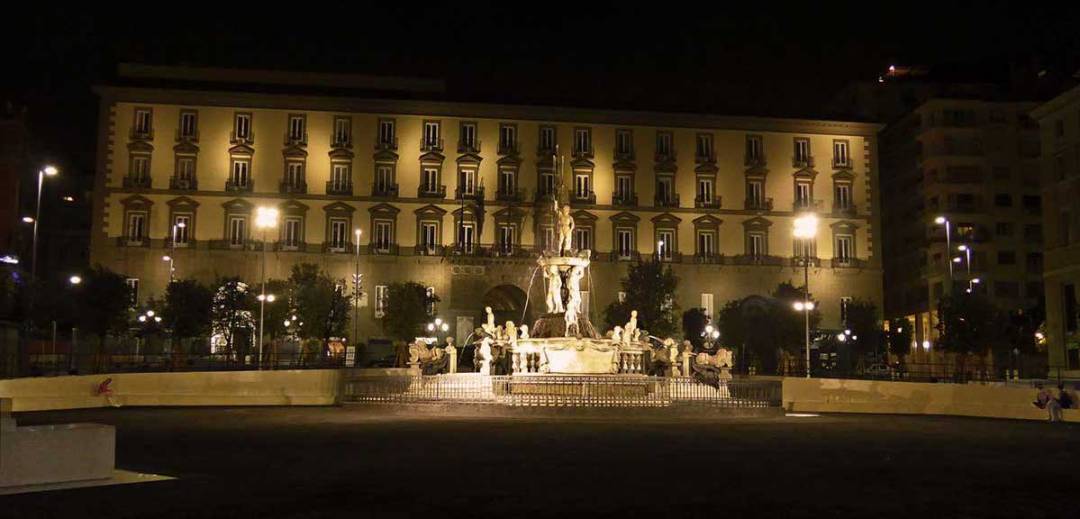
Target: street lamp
{"type": "Point", "coordinates": [265, 218]}
{"type": "Point", "coordinates": [941, 220]}
{"type": "Point", "coordinates": [356, 291]}
{"type": "Point", "coordinates": [172, 257]}
{"type": "Point", "coordinates": [659, 250]}
{"type": "Point", "coordinates": [47, 171]}
{"type": "Point", "coordinates": [75, 280]}
{"type": "Point", "coordinates": [806, 230]}
{"type": "Point", "coordinates": [967, 251]}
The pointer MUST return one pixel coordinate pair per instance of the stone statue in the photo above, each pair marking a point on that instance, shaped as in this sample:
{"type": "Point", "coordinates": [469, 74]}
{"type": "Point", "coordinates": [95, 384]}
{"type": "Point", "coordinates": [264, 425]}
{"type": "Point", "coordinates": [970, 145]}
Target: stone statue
{"type": "Point", "coordinates": [571, 316]}
{"type": "Point", "coordinates": [616, 334]}
{"type": "Point", "coordinates": [524, 334]}
{"type": "Point", "coordinates": [673, 355]}
{"type": "Point", "coordinates": [485, 356]}
{"type": "Point", "coordinates": [510, 333]}
{"type": "Point", "coordinates": [573, 283]}
{"type": "Point", "coordinates": [566, 228]}
{"type": "Point", "coordinates": [489, 327]}
{"type": "Point", "coordinates": [630, 330]}
{"type": "Point", "coordinates": [554, 290]}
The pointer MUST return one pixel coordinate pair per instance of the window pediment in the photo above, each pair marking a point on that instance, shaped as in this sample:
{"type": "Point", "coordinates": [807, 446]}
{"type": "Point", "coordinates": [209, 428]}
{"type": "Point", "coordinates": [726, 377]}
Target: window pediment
{"type": "Point", "coordinates": [136, 202]}
{"type": "Point", "coordinates": [294, 152]}
{"type": "Point", "coordinates": [510, 215]}
{"type": "Point", "coordinates": [512, 161]}
{"type": "Point", "coordinates": [430, 211]}
{"type": "Point", "coordinates": [805, 173]}
{"type": "Point", "coordinates": [140, 147]}
{"type": "Point", "coordinates": [237, 205]}
{"type": "Point", "coordinates": [432, 158]}
{"type": "Point", "coordinates": [844, 226]}
{"type": "Point", "coordinates": [241, 149]}
{"type": "Point", "coordinates": [385, 157]}
{"type": "Point", "coordinates": [666, 219]}
{"type": "Point", "coordinates": [583, 218]}
{"type": "Point", "coordinates": [186, 148]}
{"type": "Point", "coordinates": [844, 174]}
{"type": "Point", "coordinates": [757, 223]}
{"type": "Point", "coordinates": [470, 158]}
{"type": "Point", "coordinates": [756, 172]}
{"type": "Point", "coordinates": [707, 222]}
{"type": "Point", "coordinates": [292, 207]}
{"type": "Point", "coordinates": [384, 210]}
{"type": "Point", "coordinates": [182, 202]}
{"type": "Point", "coordinates": [625, 218]}
{"type": "Point", "coordinates": [707, 168]}
{"type": "Point", "coordinates": [339, 208]}
{"type": "Point", "coordinates": [341, 154]}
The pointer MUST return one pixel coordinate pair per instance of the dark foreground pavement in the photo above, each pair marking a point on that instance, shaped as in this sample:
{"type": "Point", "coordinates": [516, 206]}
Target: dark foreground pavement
{"type": "Point", "coordinates": [364, 462]}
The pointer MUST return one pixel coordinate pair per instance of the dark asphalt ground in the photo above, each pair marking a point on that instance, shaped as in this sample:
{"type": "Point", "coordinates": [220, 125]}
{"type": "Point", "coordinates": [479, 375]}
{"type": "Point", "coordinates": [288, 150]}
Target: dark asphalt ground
{"type": "Point", "coordinates": [364, 462]}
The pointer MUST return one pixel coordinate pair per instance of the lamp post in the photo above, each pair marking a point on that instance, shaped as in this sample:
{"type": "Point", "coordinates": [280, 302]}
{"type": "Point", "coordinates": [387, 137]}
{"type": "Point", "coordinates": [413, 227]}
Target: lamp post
{"type": "Point", "coordinates": [171, 258]}
{"type": "Point", "coordinates": [806, 230]}
{"type": "Point", "coordinates": [356, 292]}
{"type": "Point", "coordinates": [660, 250]}
{"type": "Point", "coordinates": [972, 283]}
{"type": "Point", "coordinates": [265, 218]}
{"type": "Point", "coordinates": [47, 171]}
{"type": "Point", "coordinates": [941, 220]}
{"type": "Point", "coordinates": [967, 251]}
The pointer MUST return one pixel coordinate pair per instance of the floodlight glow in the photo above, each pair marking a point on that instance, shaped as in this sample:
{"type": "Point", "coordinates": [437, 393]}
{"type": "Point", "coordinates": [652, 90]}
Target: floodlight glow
{"type": "Point", "coordinates": [798, 306]}
{"type": "Point", "coordinates": [708, 328]}
{"type": "Point", "coordinates": [69, 199]}
{"type": "Point", "coordinates": [358, 233]}
{"type": "Point", "coordinates": [716, 335]}
{"type": "Point", "coordinates": [28, 219]}
{"type": "Point", "coordinates": [166, 258]}
{"type": "Point", "coordinates": [266, 217]}
{"type": "Point", "coordinates": [809, 305]}
{"type": "Point", "coordinates": [806, 226]}
{"type": "Point", "coordinates": [149, 313]}
{"type": "Point", "coordinates": [976, 281]}
{"type": "Point", "coordinates": [445, 327]}
{"type": "Point", "coordinates": [271, 298]}
{"type": "Point", "coordinates": [847, 332]}
{"type": "Point", "coordinates": [74, 280]}
{"type": "Point", "coordinates": [50, 170]}
{"type": "Point", "coordinates": [10, 260]}
{"type": "Point", "coordinates": [157, 319]}
{"type": "Point", "coordinates": [940, 220]}
{"type": "Point", "coordinates": [438, 321]}
{"type": "Point", "coordinates": [962, 248]}
{"type": "Point", "coordinates": [841, 337]}
{"type": "Point", "coordinates": [142, 318]}
{"type": "Point", "coordinates": [181, 225]}
{"type": "Point", "coordinates": [926, 344]}
{"type": "Point", "coordinates": [957, 259]}
{"type": "Point", "coordinates": [430, 327]}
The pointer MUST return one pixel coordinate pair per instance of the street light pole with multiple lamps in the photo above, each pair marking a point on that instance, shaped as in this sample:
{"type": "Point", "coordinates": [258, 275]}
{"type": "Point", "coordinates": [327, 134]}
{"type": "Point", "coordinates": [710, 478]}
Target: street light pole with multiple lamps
{"type": "Point", "coordinates": [265, 218]}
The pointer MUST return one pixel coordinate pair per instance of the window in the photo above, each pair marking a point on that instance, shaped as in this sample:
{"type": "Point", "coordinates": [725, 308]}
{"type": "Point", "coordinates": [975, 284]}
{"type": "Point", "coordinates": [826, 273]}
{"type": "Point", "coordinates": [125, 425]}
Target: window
{"type": "Point", "coordinates": [242, 127]}
{"type": "Point", "coordinates": [431, 135]}
{"type": "Point", "coordinates": [624, 143]}
{"type": "Point", "coordinates": [506, 238]}
{"type": "Point", "coordinates": [429, 236]}
{"type": "Point", "coordinates": [755, 193]}
{"type": "Point", "coordinates": [1059, 128]}
{"type": "Point", "coordinates": [133, 291]}
{"type": "Point", "coordinates": [339, 233]}
{"type": "Point", "coordinates": [384, 236]}
{"type": "Point", "coordinates": [189, 124]}
{"type": "Point", "coordinates": [185, 171]}
{"type": "Point", "coordinates": [384, 179]}
{"type": "Point", "coordinates": [845, 248]}
{"type": "Point", "coordinates": [382, 293]}
{"type": "Point", "coordinates": [756, 244]}
{"type": "Point", "coordinates": [508, 138]}
{"type": "Point", "coordinates": [624, 243]}
{"type": "Point", "coordinates": [583, 141]}
{"type": "Point", "coordinates": [841, 155]}
{"type": "Point", "coordinates": [468, 136]}
{"type": "Point", "coordinates": [1033, 232]}
{"type": "Point", "coordinates": [1003, 200]}
{"type": "Point", "coordinates": [430, 293]}
{"type": "Point", "coordinates": [624, 187]}
{"type": "Point", "coordinates": [547, 237]}
{"type": "Point", "coordinates": [845, 303]}
{"type": "Point", "coordinates": [663, 144]}
{"type": "Point", "coordinates": [1032, 202]}
{"type": "Point", "coordinates": [143, 122]}
{"type": "Point", "coordinates": [140, 167]}
{"type": "Point", "coordinates": [755, 149]}
{"type": "Point", "coordinates": [467, 182]}
{"type": "Point", "coordinates": [622, 296]}
{"type": "Point", "coordinates": [706, 243]}
{"type": "Point", "coordinates": [802, 194]}
{"type": "Point", "coordinates": [1064, 232]}
{"type": "Point", "coordinates": [293, 232]}
{"type": "Point", "coordinates": [582, 187]}
{"type": "Point", "coordinates": [582, 238]}
{"type": "Point", "coordinates": [665, 189]}
{"type": "Point", "coordinates": [665, 240]}
{"type": "Point", "coordinates": [136, 227]}
{"type": "Point", "coordinates": [507, 181]}
{"type": "Point", "coordinates": [1003, 229]}
{"type": "Point", "coordinates": [1059, 166]}
{"type": "Point", "coordinates": [342, 132]}
{"type": "Point", "coordinates": [340, 177]}
{"type": "Point", "coordinates": [705, 193]}
{"type": "Point", "coordinates": [964, 231]}
{"type": "Point", "coordinates": [467, 237]}
{"type": "Point", "coordinates": [842, 193]}
{"type": "Point", "coordinates": [547, 138]}
{"type": "Point", "coordinates": [181, 229]}
{"type": "Point", "coordinates": [805, 248]}
{"type": "Point", "coordinates": [294, 174]}
{"type": "Point", "coordinates": [241, 172]}
{"type": "Point", "coordinates": [430, 180]}
{"type": "Point", "coordinates": [237, 231]}
{"type": "Point", "coordinates": [1035, 262]}
{"type": "Point", "coordinates": [704, 149]}
{"type": "Point", "coordinates": [707, 305]}
{"type": "Point", "coordinates": [547, 183]}
{"type": "Point", "coordinates": [1006, 257]}
{"type": "Point", "coordinates": [297, 129]}
{"type": "Point", "coordinates": [802, 151]}
{"type": "Point", "coordinates": [387, 137]}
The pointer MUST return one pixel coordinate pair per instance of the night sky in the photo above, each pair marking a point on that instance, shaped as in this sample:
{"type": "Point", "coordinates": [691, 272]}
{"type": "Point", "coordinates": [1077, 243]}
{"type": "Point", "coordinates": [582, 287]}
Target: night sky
{"type": "Point", "coordinates": [777, 60]}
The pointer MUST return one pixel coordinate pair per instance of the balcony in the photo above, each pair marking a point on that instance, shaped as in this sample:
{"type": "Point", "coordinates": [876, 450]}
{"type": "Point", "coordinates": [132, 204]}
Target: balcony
{"type": "Point", "coordinates": [281, 246]}
{"type": "Point", "coordinates": [510, 195]}
{"type": "Point", "coordinates": [144, 135]}
{"type": "Point", "coordinates": [133, 182]}
{"type": "Point", "coordinates": [799, 261]}
{"type": "Point", "coordinates": [338, 188]}
{"type": "Point", "coordinates": [245, 138]}
{"type": "Point", "coordinates": [238, 245]}
{"type": "Point", "coordinates": [662, 156]}
{"type": "Point", "coordinates": [803, 204]}
{"type": "Point", "coordinates": [848, 263]}
{"type": "Point", "coordinates": [672, 257]}
{"type": "Point", "coordinates": [583, 198]}
{"type": "Point", "coordinates": [759, 204]}
{"type": "Point", "coordinates": [671, 200]}
{"type": "Point", "coordinates": [428, 250]}
{"type": "Point", "coordinates": [189, 243]}
{"type": "Point", "coordinates": [338, 247]}
{"type": "Point", "coordinates": [707, 203]}
{"type": "Point", "coordinates": [431, 191]}
{"type": "Point", "coordinates": [469, 147]}
{"type": "Point", "coordinates": [296, 139]}
{"type": "Point", "coordinates": [509, 148]}
{"type": "Point", "coordinates": [386, 249]}
{"type": "Point", "coordinates": [132, 241]}
{"type": "Point", "coordinates": [586, 152]}
{"type": "Point", "coordinates": [802, 162]}
{"type": "Point", "coordinates": [386, 144]}
{"type": "Point", "coordinates": [244, 186]}
{"type": "Point", "coordinates": [630, 256]}
{"type": "Point", "coordinates": [841, 163]}
{"type": "Point", "coordinates": [705, 158]}
{"type": "Point", "coordinates": [752, 161]}
{"type": "Point", "coordinates": [711, 258]}
{"type": "Point", "coordinates": [624, 155]}
{"type": "Point", "coordinates": [624, 199]}
{"type": "Point", "coordinates": [341, 142]}
{"type": "Point", "coordinates": [543, 194]}
{"type": "Point", "coordinates": [476, 193]}
{"type": "Point", "coordinates": [183, 184]}
{"type": "Point", "coordinates": [384, 190]}
{"type": "Point", "coordinates": [296, 188]}
{"type": "Point", "coordinates": [758, 259]}
{"type": "Point", "coordinates": [431, 145]}
{"type": "Point", "coordinates": [191, 137]}
{"type": "Point", "coordinates": [849, 209]}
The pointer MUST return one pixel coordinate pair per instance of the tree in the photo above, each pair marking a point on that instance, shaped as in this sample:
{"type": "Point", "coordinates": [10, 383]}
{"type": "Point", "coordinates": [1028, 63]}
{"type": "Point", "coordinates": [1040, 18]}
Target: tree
{"type": "Point", "coordinates": [790, 323]}
{"type": "Point", "coordinates": [281, 309]}
{"type": "Point", "coordinates": [694, 321]}
{"type": "Point", "coordinates": [187, 309]}
{"type": "Point", "coordinates": [231, 314]}
{"type": "Point", "coordinates": [761, 327]}
{"type": "Point", "coordinates": [650, 289]}
{"type": "Point", "coordinates": [899, 337]}
{"type": "Point", "coordinates": [866, 333]}
{"type": "Point", "coordinates": [322, 304]}
{"type": "Point", "coordinates": [103, 299]}
{"type": "Point", "coordinates": [969, 324]}
{"type": "Point", "coordinates": [406, 310]}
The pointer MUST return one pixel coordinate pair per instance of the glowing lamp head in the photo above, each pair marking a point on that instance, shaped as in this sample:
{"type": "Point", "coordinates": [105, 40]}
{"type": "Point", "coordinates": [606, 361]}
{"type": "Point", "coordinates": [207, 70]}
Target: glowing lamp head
{"type": "Point", "coordinates": [445, 327]}
{"type": "Point", "coordinates": [157, 319]}
{"type": "Point", "coordinates": [431, 327]}
{"type": "Point", "coordinates": [976, 281]}
{"type": "Point", "coordinates": [166, 258]}
{"type": "Point", "coordinates": [715, 334]}
{"type": "Point", "coordinates": [149, 313]}
{"type": "Point", "coordinates": [358, 232]}
{"type": "Point", "coordinates": [806, 226]}
{"type": "Point", "coordinates": [266, 217]}
{"type": "Point", "coordinates": [74, 280]}
{"type": "Point", "coordinates": [957, 259]}
{"type": "Point", "coordinates": [799, 306]}
{"type": "Point", "coordinates": [926, 345]}
{"type": "Point", "coordinates": [50, 171]}
{"type": "Point", "coordinates": [940, 220]}
{"type": "Point", "coordinates": [181, 224]}
{"type": "Point", "coordinates": [841, 337]}
{"type": "Point", "coordinates": [708, 329]}
{"type": "Point", "coordinates": [28, 219]}
{"type": "Point", "coordinates": [142, 318]}
{"type": "Point", "coordinates": [962, 248]}
{"type": "Point", "coordinates": [438, 321]}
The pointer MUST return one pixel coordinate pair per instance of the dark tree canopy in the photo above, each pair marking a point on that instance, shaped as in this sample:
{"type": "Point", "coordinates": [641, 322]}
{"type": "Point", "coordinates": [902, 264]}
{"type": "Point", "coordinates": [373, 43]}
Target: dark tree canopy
{"type": "Point", "coordinates": [103, 300]}
{"type": "Point", "coordinates": [321, 304]}
{"type": "Point", "coordinates": [970, 324]}
{"type": "Point", "coordinates": [866, 330]}
{"type": "Point", "coordinates": [759, 328]}
{"type": "Point", "coordinates": [900, 337]}
{"type": "Point", "coordinates": [694, 321]}
{"type": "Point", "coordinates": [406, 310]}
{"type": "Point", "coordinates": [650, 289]}
{"type": "Point", "coordinates": [187, 308]}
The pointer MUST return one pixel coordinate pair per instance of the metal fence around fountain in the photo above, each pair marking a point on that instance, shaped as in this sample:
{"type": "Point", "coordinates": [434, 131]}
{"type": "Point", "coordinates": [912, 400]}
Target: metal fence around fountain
{"type": "Point", "coordinates": [561, 390]}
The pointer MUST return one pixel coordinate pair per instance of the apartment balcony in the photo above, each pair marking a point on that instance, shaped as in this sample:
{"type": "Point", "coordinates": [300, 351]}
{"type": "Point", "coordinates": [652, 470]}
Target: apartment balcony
{"type": "Point", "coordinates": [672, 200]}
{"type": "Point", "coordinates": [509, 148]}
{"type": "Point", "coordinates": [583, 153]}
{"type": "Point", "coordinates": [191, 137]}
{"type": "Point", "coordinates": [132, 241]}
{"type": "Point", "coordinates": [664, 157]}
{"type": "Point", "coordinates": [133, 182]}
{"type": "Point", "coordinates": [799, 261]}
{"type": "Point", "coordinates": [709, 158]}
{"type": "Point", "coordinates": [469, 147]}
{"type": "Point", "coordinates": [583, 198]}
{"type": "Point", "coordinates": [802, 162]}
{"type": "Point", "coordinates": [233, 186]}
{"type": "Point", "coordinates": [708, 203]}
{"type": "Point", "coordinates": [434, 145]}
{"type": "Point", "coordinates": [386, 249]}
{"type": "Point", "coordinates": [618, 256]}
{"type": "Point", "coordinates": [624, 155]}
{"type": "Point", "coordinates": [544, 195]}
{"type": "Point", "coordinates": [339, 143]}
{"type": "Point", "coordinates": [759, 204]}
{"type": "Point", "coordinates": [384, 190]}
{"type": "Point", "coordinates": [281, 246]}
{"type": "Point", "coordinates": [475, 194]}
{"type": "Point", "coordinates": [295, 188]}
{"type": "Point", "coordinates": [510, 195]}
{"type": "Point", "coordinates": [136, 135]}
{"type": "Point", "coordinates": [231, 245]}
{"type": "Point", "coordinates": [386, 145]}
{"type": "Point", "coordinates": [339, 188]}
{"type": "Point", "coordinates": [712, 258]}
{"type": "Point", "coordinates": [753, 162]}
{"type": "Point", "coordinates": [183, 184]}
{"type": "Point", "coordinates": [431, 191]}
{"type": "Point", "coordinates": [841, 163]}
{"type": "Point", "coordinates": [509, 250]}
{"type": "Point", "coordinates": [848, 263]}
{"type": "Point", "coordinates": [428, 249]}
{"type": "Point", "coordinates": [624, 199]}
{"type": "Point", "coordinates": [802, 204]}
{"type": "Point", "coordinates": [246, 139]}
{"type": "Point", "coordinates": [758, 259]}
{"type": "Point", "coordinates": [189, 243]}
{"type": "Point", "coordinates": [849, 210]}
{"type": "Point", "coordinates": [296, 140]}
{"type": "Point", "coordinates": [672, 257]}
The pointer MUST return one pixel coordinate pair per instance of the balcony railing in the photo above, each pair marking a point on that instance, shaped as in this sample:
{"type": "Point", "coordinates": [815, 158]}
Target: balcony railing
{"type": "Point", "coordinates": [624, 199]}
{"type": "Point", "coordinates": [132, 241]}
{"type": "Point", "coordinates": [428, 250]}
{"type": "Point", "coordinates": [838, 163]}
{"type": "Point", "coordinates": [672, 257]}
{"type": "Point", "coordinates": [384, 190]}
{"type": "Point", "coordinates": [514, 195]}
{"type": "Point", "coordinates": [845, 209]}
{"type": "Point", "coordinates": [708, 203]}
{"type": "Point", "coordinates": [583, 152]}
{"type": "Point", "coordinates": [338, 188]}
{"type": "Point", "coordinates": [802, 162]}
{"type": "Point", "coordinates": [431, 191]}
{"type": "Point", "coordinates": [288, 187]}
{"type": "Point", "coordinates": [476, 193]}
{"type": "Point", "coordinates": [244, 187]}
{"type": "Point", "coordinates": [664, 157]}
{"type": "Point", "coordinates": [146, 135]}
{"type": "Point", "coordinates": [752, 161]}
{"type": "Point", "coordinates": [337, 142]}
{"type": "Point", "coordinates": [624, 155]}
{"type": "Point", "coordinates": [183, 184]}
{"type": "Point", "coordinates": [848, 263]}
{"type": "Point", "coordinates": [133, 182]}
{"type": "Point", "coordinates": [189, 243]}
{"type": "Point", "coordinates": [299, 246]}
{"type": "Point", "coordinates": [758, 259]}
{"type": "Point", "coordinates": [296, 140]}
{"type": "Point", "coordinates": [338, 247]}
{"type": "Point", "coordinates": [802, 204]}
{"type": "Point", "coordinates": [509, 148]}
{"type": "Point", "coordinates": [711, 258]}
{"type": "Point", "coordinates": [584, 198]}
{"type": "Point", "coordinates": [759, 204]}
{"type": "Point", "coordinates": [230, 245]}
{"type": "Point", "coordinates": [672, 200]}
{"type": "Point", "coordinates": [385, 250]}
{"type": "Point", "coordinates": [705, 158]}
{"type": "Point", "coordinates": [386, 144]}
{"type": "Point", "coordinates": [469, 147]}
{"type": "Point", "coordinates": [187, 137]}
{"type": "Point", "coordinates": [427, 145]}
{"type": "Point", "coordinates": [248, 138]}
{"type": "Point", "coordinates": [618, 256]}
{"type": "Point", "coordinates": [799, 261]}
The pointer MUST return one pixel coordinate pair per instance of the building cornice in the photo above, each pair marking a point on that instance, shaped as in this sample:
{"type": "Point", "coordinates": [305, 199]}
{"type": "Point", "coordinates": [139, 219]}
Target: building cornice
{"type": "Point", "coordinates": [1052, 106]}
{"type": "Point", "coordinates": [464, 110]}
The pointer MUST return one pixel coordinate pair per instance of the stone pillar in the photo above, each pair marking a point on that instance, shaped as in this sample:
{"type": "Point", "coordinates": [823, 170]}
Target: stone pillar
{"type": "Point", "coordinates": [452, 353]}
{"type": "Point", "coordinates": [686, 363]}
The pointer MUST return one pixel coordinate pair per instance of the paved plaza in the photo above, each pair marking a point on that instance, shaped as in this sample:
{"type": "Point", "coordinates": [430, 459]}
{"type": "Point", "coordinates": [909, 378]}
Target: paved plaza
{"type": "Point", "coordinates": [359, 461]}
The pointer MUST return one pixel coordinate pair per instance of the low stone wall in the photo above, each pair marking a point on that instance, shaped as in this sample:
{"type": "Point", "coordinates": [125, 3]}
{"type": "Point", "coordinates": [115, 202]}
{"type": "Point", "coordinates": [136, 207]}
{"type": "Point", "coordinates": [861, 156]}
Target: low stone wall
{"type": "Point", "coordinates": [883, 397]}
{"type": "Point", "coordinates": [219, 388]}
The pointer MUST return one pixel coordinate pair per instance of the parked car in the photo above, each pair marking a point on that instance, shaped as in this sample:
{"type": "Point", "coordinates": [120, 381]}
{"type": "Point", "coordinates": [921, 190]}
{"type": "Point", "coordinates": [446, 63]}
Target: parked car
{"type": "Point", "coordinates": [878, 371]}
